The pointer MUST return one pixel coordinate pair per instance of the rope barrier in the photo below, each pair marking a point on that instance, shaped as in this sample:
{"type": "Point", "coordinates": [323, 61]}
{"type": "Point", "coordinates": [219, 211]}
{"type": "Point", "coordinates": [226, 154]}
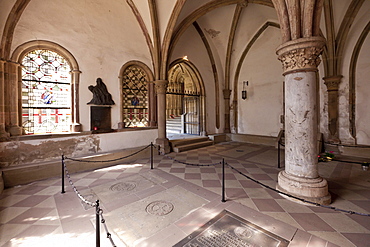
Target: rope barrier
{"type": "Point", "coordinates": [295, 197]}
{"type": "Point", "coordinates": [350, 146]}
{"type": "Point", "coordinates": [266, 186]}
{"type": "Point", "coordinates": [109, 236]}
{"type": "Point", "coordinates": [102, 161]}
{"type": "Point", "coordinates": [183, 162]}
{"type": "Point", "coordinates": [99, 211]}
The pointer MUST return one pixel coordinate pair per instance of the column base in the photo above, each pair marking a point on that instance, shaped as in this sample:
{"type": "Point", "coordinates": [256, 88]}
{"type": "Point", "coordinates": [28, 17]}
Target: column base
{"type": "Point", "coordinates": [310, 189]}
{"type": "Point", "coordinates": [164, 145]}
{"type": "Point", "coordinates": [76, 127]}
{"type": "Point", "coordinates": [15, 130]}
{"type": "Point", "coordinates": [4, 136]}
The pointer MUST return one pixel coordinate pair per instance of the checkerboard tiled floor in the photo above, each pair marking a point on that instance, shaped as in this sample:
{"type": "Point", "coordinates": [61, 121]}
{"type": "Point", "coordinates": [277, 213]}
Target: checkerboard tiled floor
{"type": "Point", "coordinates": [39, 215]}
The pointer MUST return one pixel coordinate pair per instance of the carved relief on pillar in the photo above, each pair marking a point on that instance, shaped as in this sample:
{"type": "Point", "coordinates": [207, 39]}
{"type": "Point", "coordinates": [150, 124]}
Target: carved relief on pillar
{"type": "Point", "coordinates": [161, 86]}
{"type": "Point", "coordinates": [301, 54]}
{"type": "Point", "coordinates": [332, 82]}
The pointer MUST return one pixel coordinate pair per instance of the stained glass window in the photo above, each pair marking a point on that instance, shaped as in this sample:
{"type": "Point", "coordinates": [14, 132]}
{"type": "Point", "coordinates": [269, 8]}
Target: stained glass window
{"type": "Point", "coordinates": [46, 93]}
{"type": "Point", "coordinates": [134, 97]}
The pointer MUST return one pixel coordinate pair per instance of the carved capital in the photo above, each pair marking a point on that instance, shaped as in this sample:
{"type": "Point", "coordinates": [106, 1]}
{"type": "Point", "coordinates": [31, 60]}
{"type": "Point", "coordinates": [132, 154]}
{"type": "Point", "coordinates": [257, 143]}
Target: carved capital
{"type": "Point", "coordinates": [243, 4]}
{"type": "Point", "coordinates": [161, 86]}
{"type": "Point", "coordinates": [75, 71]}
{"type": "Point", "coordinates": [301, 54]}
{"type": "Point", "coordinates": [227, 93]}
{"type": "Point", "coordinates": [332, 82]}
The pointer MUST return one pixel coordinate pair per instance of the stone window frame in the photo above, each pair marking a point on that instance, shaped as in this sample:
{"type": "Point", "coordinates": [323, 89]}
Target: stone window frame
{"type": "Point", "coordinates": [27, 47]}
{"type": "Point", "coordinates": [151, 91]}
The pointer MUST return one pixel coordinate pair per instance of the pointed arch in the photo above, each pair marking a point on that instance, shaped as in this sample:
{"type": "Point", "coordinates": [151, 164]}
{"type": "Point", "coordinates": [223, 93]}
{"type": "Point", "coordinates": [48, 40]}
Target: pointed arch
{"type": "Point", "coordinates": [181, 67]}
{"type": "Point", "coordinates": [240, 64]}
{"type": "Point", "coordinates": [352, 79]}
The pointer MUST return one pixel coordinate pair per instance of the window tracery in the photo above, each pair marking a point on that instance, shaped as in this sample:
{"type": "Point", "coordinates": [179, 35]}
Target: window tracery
{"type": "Point", "coordinates": [46, 92]}
{"type": "Point", "coordinates": [135, 97]}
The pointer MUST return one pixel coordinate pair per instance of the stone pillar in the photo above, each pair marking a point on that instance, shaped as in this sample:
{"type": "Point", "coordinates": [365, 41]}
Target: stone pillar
{"type": "Point", "coordinates": [75, 126]}
{"type": "Point", "coordinates": [227, 93]}
{"type": "Point", "coordinates": [3, 134]}
{"type": "Point", "coordinates": [152, 105]}
{"type": "Point", "coordinates": [12, 99]}
{"type": "Point", "coordinates": [161, 88]}
{"type": "Point", "coordinates": [300, 58]}
{"type": "Point", "coordinates": [332, 84]}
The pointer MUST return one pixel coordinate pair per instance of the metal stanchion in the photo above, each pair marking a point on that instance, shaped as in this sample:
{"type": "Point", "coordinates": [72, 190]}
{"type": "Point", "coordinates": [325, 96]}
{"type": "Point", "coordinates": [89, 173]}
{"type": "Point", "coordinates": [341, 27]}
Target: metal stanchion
{"type": "Point", "coordinates": [223, 180]}
{"type": "Point", "coordinates": [278, 154]}
{"type": "Point", "coordinates": [97, 224]}
{"type": "Point", "coordinates": [151, 155]}
{"type": "Point", "coordinates": [63, 191]}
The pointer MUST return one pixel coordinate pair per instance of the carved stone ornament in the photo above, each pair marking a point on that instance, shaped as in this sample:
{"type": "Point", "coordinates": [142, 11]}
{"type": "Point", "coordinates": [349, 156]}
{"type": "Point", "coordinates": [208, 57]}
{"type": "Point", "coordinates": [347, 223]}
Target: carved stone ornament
{"type": "Point", "coordinates": [161, 86]}
{"type": "Point", "coordinates": [332, 82]}
{"type": "Point", "coordinates": [301, 54]}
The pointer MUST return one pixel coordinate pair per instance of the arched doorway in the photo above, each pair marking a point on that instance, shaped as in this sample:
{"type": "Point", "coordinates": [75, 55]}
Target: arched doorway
{"type": "Point", "coordinates": [185, 100]}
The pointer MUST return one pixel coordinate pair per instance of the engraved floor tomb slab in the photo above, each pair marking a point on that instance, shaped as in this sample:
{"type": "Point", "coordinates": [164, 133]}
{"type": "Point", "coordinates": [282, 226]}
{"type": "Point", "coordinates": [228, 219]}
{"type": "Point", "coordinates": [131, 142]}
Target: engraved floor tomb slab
{"type": "Point", "coordinates": [141, 219]}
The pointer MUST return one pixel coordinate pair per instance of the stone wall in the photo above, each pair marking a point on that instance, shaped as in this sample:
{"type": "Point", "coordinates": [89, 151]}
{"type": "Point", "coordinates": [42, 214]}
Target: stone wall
{"type": "Point", "coordinates": [32, 150]}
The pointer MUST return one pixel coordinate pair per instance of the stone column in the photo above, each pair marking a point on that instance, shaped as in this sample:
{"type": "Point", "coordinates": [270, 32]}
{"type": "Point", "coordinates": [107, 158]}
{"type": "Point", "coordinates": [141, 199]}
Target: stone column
{"type": "Point", "coordinates": [3, 134]}
{"type": "Point", "coordinates": [161, 88]}
{"type": "Point", "coordinates": [332, 84]}
{"type": "Point", "coordinates": [12, 99]}
{"type": "Point", "coordinates": [300, 58]}
{"type": "Point", "coordinates": [152, 105]}
{"type": "Point", "coordinates": [227, 93]}
{"type": "Point", "coordinates": [75, 126]}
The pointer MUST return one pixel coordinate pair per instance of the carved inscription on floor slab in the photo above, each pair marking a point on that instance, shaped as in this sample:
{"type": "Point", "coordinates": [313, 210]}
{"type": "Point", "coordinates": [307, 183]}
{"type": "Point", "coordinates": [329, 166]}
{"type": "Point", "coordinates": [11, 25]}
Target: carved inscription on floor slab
{"type": "Point", "coordinates": [227, 229]}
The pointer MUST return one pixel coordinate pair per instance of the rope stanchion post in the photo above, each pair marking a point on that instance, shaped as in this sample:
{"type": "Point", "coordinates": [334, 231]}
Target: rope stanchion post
{"type": "Point", "coordinates": [63, 191]}
{"type": "Point", "coordinates": [278, 154]}
{"type": "Point", "coordinates": [151, 155]}
{"type": "Point", "coordinates": [97, 224]}
{"type": "Point", "coordinates": [223, 180]}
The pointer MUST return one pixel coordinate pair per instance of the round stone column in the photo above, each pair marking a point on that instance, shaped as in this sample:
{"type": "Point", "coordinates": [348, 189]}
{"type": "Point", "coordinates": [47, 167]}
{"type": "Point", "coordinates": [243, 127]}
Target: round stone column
{"type": "Point", "coordinates": [227, 93]}
{"type": "Point", "coordinates": [300, 59]}
{"type": "Point", "coordinates": [152, 105]}
{"type": "Point", "coordinates": [13, 101]}
{"type": "Point", "coordinates": [75, 126]}
{"type": "Point", "coordinates": [332, 84]}
{"type": "Point", "coordinates": [4, 136]}
{"type": "Point", "coordinates": [161, 88]}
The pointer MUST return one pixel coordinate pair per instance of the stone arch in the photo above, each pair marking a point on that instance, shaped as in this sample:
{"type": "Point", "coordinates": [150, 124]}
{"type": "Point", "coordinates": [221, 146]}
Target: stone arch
{"type": "Point", "coordinates": [352, 80]}
{"type": "Point", "coordinates": [238, 69]}
{"type": "Point", "coordinates": [184, 68]}
{"type": "Point", "coordinates": [25, 48]}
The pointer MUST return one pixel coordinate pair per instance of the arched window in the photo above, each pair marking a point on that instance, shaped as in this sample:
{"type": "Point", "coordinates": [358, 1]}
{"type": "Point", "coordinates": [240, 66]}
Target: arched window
{"type": "Point", "coordinates": [49, 88]}
{"type": "Point", "coordinates": [135, 93]}
{"type": "Point", "coordinates": [46, 93]}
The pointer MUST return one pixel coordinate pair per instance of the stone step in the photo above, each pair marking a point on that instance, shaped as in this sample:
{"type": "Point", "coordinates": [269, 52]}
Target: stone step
{"type": "Point", "coordinates": [173, 131]}
{"type": "Point", "coordinates": [173, 124]}
{"type": "Point", "coordinates": [190, 146]}
{"type": "Point", "coordinates": [180, 142]}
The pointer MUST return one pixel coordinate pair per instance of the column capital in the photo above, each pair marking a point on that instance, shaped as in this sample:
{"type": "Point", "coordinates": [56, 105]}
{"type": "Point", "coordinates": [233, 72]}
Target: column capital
{"type": "Point", "coordinates": [161, 86]}
{"type": "Point", "coordinates": [75, 71]}
{"type": "Point", "coordinates": [227, 93]}
{"type": "Point", "coordinates": [243, 4]}
{"type": "Point", "coordinates": [332, 82]}
{"type": "Point", "coordinates": [301, 54]}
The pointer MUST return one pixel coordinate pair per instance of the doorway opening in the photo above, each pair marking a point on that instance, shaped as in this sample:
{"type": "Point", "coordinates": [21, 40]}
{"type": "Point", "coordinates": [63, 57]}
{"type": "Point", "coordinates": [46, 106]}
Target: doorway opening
{"type": "Point", "coordinates": [185, 101]}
